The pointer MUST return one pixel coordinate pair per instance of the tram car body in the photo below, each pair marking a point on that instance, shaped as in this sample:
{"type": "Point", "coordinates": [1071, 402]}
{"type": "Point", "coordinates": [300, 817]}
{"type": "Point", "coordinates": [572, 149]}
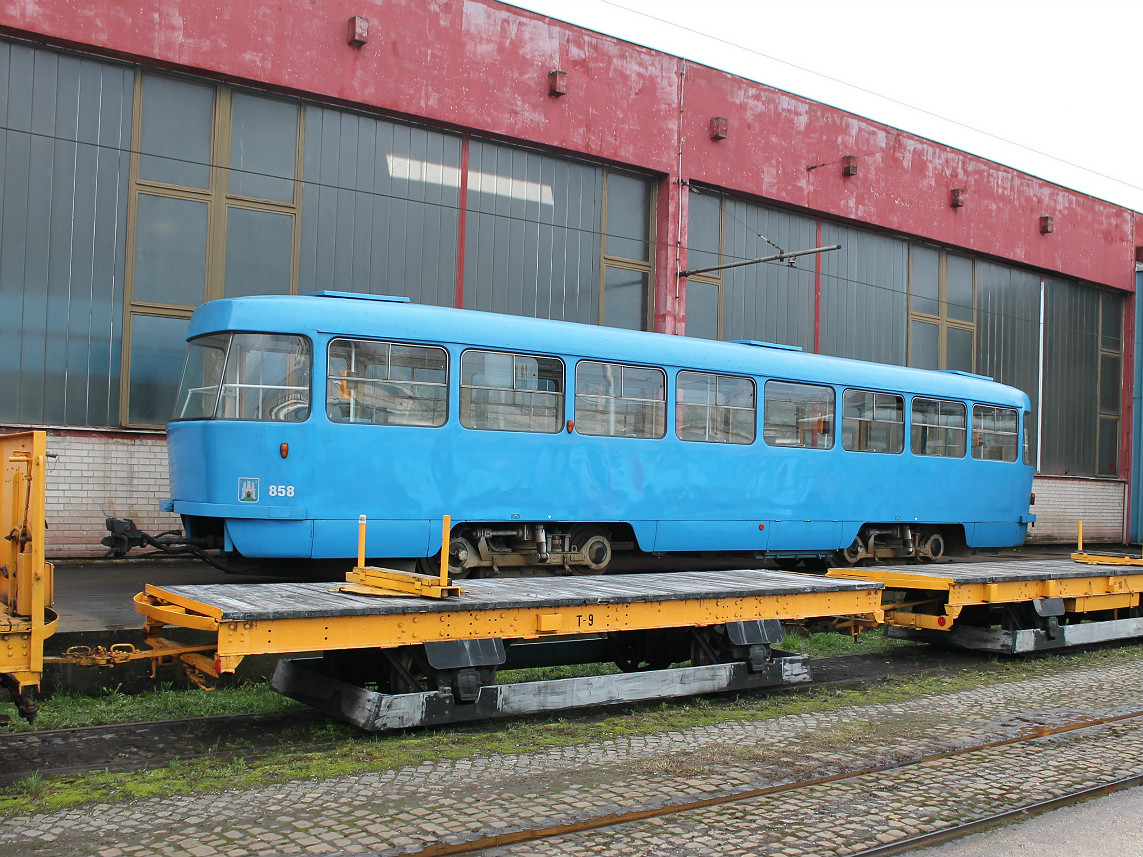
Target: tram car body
{"type": "Point", "coordinates": [556, 444]}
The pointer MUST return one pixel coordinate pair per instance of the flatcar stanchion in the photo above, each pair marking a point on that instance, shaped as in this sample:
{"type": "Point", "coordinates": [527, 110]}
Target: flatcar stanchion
{"type": "Point", "coordinates": [1101, 558]}
{"type": "Point", "coordinates": [368, 580]}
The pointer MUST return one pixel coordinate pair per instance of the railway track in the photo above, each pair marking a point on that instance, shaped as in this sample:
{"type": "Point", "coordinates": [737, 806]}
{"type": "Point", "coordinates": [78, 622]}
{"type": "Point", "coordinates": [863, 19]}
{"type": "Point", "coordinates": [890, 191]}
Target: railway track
{"type": "Point", "coordinates": [590, 836]}
{"type": "Point", "coordinates": [134, 746]}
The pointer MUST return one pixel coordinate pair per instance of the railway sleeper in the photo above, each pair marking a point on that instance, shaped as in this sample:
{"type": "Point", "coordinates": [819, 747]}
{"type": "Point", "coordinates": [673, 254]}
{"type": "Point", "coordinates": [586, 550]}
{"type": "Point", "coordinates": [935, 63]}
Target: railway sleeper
{"type": "Point", "coordinates": [454, 681]}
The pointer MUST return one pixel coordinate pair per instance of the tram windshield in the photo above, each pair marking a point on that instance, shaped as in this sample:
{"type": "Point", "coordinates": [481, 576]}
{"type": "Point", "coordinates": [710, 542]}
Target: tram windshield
{"type": "Point", "coordinates": [246, 376]}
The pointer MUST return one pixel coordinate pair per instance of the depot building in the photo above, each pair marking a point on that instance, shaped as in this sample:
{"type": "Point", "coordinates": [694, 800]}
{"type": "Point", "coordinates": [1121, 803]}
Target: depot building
{"type": "Point", "coordinates": [156, 156]}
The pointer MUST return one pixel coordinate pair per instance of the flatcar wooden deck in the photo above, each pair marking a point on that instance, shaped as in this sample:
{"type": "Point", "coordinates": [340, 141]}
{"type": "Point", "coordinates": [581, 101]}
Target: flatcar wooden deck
{"type": "Point", "coordinates": [303, 617]}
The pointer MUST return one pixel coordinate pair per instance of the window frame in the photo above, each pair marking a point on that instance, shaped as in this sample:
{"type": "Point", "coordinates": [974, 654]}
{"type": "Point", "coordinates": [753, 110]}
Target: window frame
{"type": "Point", "coordinates": [343, 380]}
{"type": "Point", "coordinates": [867, 426]}
{"type": "Point", "coordinates": [561, 394]}
{"type": "Point", "coordinates": [914, 425]}
{"type": "Point", "coordinates": [219, 200]}
{"type": "Point", "coordinates": [829, 419]}
{"type": "Point", "coordinates": [984, 432]}
{"type": "Point", "coordinates": [659, 424]}
{"type": "Point", "coordinates": [714, 410]}
{"type": "Point", "coordinates": [942, 319]}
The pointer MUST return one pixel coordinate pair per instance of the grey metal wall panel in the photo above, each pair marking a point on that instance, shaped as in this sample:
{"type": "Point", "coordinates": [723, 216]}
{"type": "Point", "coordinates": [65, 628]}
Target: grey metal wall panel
{"type": "Point", "coordinates": [1007, 325]}
{"type": "Point", "coordinates": [379, 207]}
{"type": "Point", "coordinates": [532, 234]}
{"type": "Point", "coordinates": [773, 302]}
{"type": "Point", "coordinates": [64, 167]}
{"type": "Point", "coordinates": [1071, 374]}
{"type": "Point", "coordinates": [865, 305]}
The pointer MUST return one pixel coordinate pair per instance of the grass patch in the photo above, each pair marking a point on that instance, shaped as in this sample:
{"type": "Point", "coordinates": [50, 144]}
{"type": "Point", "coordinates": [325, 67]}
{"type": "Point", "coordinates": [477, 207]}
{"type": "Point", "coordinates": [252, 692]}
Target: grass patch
{"type": "Point", "coordinates": [67, 710]}
{"type": "Point", "coordinates": [338, 750]}
{"type": "Point", "coordinates": [837, 645]}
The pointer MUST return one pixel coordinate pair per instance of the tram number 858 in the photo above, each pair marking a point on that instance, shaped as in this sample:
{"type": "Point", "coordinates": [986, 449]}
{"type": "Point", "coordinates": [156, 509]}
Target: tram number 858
{"type": "Point", "coordinates": [280, 490]}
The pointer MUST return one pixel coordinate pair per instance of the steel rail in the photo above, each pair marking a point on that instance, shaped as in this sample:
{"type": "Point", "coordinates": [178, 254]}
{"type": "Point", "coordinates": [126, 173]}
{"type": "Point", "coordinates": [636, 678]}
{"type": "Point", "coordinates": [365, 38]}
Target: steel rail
{"type": "Point", "coordinates": [959, 831]}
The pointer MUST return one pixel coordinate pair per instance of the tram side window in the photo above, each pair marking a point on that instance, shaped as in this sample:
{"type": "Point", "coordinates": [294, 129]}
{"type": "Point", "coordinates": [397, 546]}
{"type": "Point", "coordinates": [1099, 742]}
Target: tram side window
{"type": "Point", "coordinates": [714, 408]}
{"type": "Point", "coordinates": [798, 415]}
{"type": "Point", "coordinates": [616, 400]}
{"type": "Point", "coordinates": [939, 428]}
{"type": "Point", "coordinates": [386, 383]}
{"type": "Point", "coordinates": [872, 422]}
{"type": "Point", "coordinates": [267, 377]}
{"type": "Point", "coordinates": [995, 434]}
{"type": "Point", "coordinates": [511, 392]}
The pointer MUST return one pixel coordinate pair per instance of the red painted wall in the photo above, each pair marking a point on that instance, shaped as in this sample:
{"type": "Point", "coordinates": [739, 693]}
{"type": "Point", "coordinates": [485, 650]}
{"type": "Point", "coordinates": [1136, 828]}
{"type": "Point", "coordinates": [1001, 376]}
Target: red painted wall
{"type": "Point", "coordinates": [483, 66]}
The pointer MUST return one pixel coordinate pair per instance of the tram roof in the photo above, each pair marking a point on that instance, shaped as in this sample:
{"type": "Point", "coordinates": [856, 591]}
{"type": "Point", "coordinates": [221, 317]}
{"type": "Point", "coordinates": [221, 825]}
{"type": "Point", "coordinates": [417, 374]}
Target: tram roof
{"type": "Point", "coordinates": [347, 314]}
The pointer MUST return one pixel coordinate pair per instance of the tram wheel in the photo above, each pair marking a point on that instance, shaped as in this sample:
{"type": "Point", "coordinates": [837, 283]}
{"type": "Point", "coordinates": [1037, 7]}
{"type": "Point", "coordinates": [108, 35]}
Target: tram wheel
{"type": "Point", "coordinates": [594, 544]}
{"type": "Point", "coordinates": [932, 547]}
{"type": "Point", "coordinates": [851, 555]}
{"type": "Point", "coordinates": [460, 553]}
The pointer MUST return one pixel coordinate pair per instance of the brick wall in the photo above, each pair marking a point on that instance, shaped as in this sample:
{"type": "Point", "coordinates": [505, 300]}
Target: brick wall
{"type": "Point", "coordinates": [96, 475]}
{"type": "Point", "coordinates": [1061, 501]}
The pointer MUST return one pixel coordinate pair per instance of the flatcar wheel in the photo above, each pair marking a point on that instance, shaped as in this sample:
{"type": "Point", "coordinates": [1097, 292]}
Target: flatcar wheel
{"type": "Point", "coordinates": [636, 651]}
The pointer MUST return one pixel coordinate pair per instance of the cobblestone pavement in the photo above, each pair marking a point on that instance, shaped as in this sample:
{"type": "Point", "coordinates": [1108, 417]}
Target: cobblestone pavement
{"type": "Point", "coordinates": [405, 810]}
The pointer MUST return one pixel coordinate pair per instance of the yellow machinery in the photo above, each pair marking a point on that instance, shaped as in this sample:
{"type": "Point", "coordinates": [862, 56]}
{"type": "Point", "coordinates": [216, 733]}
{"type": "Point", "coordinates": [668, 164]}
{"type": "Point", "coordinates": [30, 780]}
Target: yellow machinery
{"type": "Point", "coordinates": [26, 619]}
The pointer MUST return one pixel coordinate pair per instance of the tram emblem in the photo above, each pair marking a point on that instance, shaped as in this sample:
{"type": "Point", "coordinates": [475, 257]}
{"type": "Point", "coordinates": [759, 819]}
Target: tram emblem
{"type": "Point", "coordinates": [248, 489]}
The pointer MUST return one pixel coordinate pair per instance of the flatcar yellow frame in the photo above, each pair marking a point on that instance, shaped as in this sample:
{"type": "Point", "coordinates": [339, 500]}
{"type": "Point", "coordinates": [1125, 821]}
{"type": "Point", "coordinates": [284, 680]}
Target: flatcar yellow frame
{"type": "Point", "coordinates": [1099, 591]}
{"type": "Point", "coordinates": [238, 639]}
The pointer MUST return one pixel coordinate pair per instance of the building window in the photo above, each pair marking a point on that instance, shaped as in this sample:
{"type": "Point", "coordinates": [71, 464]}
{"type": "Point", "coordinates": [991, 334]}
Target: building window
{"type": "Point", "coordinates": [994, 433]}
{"type": "Point", "coordinates": [386, 383]}
{"type": "Point", "coordinates": [213, 213]}
{"type": "Point", "coordinates": [628, 224]}
{"type": "Point", "coordinates": [615, 400]}
{"type": "Point", "coordinates": [798, 415]}
{"type": "Point", "coordinates": [511, 392]}
{"type": "Point", "coordinates": [872, 422]}
{"type": "Point", "coordinates": [1110, 384]}
{"type": "Point", "coordinates": [714, 408]}
{"type": "Point", "coordinates": [942, 310]}
{"type": "Point", "coordinates": [938, 428]}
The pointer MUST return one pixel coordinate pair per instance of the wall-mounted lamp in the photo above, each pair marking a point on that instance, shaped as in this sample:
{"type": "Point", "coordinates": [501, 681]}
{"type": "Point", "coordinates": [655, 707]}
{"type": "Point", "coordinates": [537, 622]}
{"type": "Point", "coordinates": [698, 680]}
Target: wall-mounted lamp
{"type": "Point", "coordinates": [719, 127]}
{"type": "Point", "coordinates": [957, 197]}
{"type": "Point", "coordinates": [1047, 224]}
{"type": "Point", "coordinates": [557, 82]}
{"type": "Point", "coordinates": [358, 30]}
{"type": "Point", "coordinates": [849, 165]}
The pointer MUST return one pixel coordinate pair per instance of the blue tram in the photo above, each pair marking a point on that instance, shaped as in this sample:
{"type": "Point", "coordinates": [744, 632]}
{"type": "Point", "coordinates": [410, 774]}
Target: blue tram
{"type": "Point", "coordinates": [561, 445]}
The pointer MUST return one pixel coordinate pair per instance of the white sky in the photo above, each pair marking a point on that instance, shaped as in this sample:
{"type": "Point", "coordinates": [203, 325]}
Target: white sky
{"type": "Point", "coordinates": [1056, 76]}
